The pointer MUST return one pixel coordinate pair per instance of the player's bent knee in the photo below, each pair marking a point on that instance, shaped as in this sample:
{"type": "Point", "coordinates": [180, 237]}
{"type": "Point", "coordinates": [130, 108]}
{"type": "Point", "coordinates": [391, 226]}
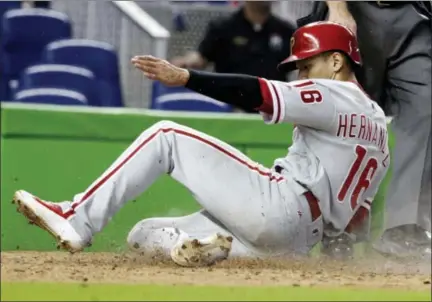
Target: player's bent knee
{"type": "Point", "coordinates": [137, 235]}
{"type": "Point", "coordinates": [153, 234]}
{"type": "Point", "coordinates": [166, 124]}
{"type": "Point", "coordinates": [156, 127]}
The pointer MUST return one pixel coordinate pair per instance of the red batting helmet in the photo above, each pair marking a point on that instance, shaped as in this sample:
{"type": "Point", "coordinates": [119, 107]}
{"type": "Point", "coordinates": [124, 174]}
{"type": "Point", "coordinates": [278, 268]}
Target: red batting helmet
{"type": "Point", "coordinates": [318, 37]}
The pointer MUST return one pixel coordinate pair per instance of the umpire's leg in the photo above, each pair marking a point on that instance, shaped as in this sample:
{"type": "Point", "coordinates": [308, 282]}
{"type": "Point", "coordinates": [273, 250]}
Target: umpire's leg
{"type": "Point", "coordinates": [409, 89]}
{"type": "Point", "coordinates": [395, 42]}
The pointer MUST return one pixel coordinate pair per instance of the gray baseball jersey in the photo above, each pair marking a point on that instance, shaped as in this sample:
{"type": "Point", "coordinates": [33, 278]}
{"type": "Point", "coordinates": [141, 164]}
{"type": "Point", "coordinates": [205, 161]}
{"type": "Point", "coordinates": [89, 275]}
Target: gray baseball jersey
{"type": "Point", "coordinates": [340, 143]}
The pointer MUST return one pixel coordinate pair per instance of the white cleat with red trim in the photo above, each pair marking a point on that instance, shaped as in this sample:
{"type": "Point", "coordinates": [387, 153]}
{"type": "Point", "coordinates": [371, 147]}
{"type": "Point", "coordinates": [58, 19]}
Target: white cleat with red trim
{"type": "Point", "coordinates": [205, 252]}
{"type": "Point", "coordinates": [52, 218]}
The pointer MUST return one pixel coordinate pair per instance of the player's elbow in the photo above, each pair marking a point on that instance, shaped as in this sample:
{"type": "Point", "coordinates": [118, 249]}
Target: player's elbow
{"type": "Point", "coordinates": [266, 97]}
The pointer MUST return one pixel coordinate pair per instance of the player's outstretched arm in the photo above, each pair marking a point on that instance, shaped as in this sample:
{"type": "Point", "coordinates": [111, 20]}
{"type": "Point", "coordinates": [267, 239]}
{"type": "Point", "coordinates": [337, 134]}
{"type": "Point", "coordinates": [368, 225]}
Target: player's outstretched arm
{"type": "Point", "coordinates": [235, 89]}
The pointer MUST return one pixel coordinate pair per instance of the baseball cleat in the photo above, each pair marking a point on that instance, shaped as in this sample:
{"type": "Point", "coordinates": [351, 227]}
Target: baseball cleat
{"type": "Point", "coordinates": [51, 218]}
{"type": "Point", "coordinates": [193, 252]}
{"type": "Point", "coordinates": [338, 248]}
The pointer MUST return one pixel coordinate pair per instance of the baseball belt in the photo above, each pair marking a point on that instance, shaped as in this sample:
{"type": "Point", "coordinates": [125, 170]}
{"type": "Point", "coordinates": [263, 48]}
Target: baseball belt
{"type": "Point", "coordinates": [313, 205]}
{"type": "Point", "coordinates": [311, 199]}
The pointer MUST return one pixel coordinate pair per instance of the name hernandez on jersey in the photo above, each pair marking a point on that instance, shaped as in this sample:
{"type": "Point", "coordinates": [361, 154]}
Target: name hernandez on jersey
{"type": "Point", "coordinates": [341, 132]}
{"type": "Point", "coordinates": [301, 103]}
{"type": "Point", "coordinates": [363, 128]}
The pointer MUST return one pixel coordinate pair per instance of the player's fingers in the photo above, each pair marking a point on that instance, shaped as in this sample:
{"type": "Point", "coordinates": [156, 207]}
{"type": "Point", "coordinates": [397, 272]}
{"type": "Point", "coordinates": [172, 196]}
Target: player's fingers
{"type": "Point", "coordinates": [150, 58]}
{"type": "Point", "coordinates": [148, 64]}
{"type": "Point", "coordinates": [145, 67]}
{"type": "Point", "coordinates": [146, 58]}
{"type": "Point", "coordinates": [137, 58]}
{"type": "Point", "coordinates": [148, 69]}
{"type": "Point", "coordinates": [150, 76]}
{"type": "Point", "coordinates": [138, 65]}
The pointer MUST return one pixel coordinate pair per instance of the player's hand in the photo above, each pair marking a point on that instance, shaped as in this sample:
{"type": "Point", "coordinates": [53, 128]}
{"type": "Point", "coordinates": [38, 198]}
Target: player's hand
{"type": "Point", "coordinates": [161, 70]}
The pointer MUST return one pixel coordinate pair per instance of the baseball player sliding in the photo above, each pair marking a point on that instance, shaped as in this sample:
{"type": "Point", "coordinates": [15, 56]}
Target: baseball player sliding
{"type": "Point", "coordinates": [324, 185]}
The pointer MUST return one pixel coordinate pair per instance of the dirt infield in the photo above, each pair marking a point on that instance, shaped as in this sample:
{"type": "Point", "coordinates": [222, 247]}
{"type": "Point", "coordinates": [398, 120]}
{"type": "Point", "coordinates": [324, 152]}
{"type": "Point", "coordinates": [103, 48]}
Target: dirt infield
{"type": "Point", "coordinates": [126, 268]}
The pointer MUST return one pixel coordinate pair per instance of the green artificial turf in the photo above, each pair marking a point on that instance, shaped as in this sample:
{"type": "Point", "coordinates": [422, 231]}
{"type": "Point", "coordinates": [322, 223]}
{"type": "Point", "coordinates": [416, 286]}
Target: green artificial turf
{"type": "Point", "coordinates": [118, 292]}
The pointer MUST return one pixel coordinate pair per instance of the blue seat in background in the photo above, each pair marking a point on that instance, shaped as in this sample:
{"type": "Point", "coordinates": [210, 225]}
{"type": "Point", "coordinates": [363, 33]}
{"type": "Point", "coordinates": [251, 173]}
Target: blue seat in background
{"type": "Point", "coordinates": [4, 7]}
{"type": "Point", "coordinates": [219, 2]}
{"type": "Point", "coordinates": [8, 5]}
{"type": "Point", "coordinates": [61, 76]}
{"type": "Point", "coordinates": [25, 33]}
{"type": "Point", "coordinates": [99, 57]}
{"type": "Point", "coordinates": [55, 96]}
{"type": "Point", "coordinates": [183, 99]}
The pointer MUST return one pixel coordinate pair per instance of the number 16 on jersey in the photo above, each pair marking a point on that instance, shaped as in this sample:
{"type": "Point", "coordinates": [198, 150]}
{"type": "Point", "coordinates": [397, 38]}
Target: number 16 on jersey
{"type": "Point", "coordinates": [364, 176]}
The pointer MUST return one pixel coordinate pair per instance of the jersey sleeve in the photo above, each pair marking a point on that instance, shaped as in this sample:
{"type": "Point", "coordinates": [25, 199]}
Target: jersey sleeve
{"type": "Point", "coordinates": [307, 103]}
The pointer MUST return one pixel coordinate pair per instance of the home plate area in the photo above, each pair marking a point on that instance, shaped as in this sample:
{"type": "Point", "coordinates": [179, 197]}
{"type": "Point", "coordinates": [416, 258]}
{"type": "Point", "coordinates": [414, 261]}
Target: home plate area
{"type": "Point", "coordinates": [141, 269]}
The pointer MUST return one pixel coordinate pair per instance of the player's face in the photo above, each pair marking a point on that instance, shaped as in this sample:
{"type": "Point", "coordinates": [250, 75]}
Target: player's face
{"type": "Point", "coordinates": [318, 67]}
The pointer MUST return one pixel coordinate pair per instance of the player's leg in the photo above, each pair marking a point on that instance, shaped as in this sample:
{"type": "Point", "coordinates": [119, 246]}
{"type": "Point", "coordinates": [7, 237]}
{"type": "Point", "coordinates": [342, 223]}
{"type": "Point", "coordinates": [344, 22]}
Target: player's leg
{"type": "Point", "coordinates": [408, 201]}
{"type": "Point", "coordinates": [223, 180]}
{"type": "Point", "coordinates": [161, 235]}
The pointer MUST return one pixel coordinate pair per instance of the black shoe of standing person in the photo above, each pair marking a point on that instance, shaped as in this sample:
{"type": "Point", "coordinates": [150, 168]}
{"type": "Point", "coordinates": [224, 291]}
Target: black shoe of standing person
{"type": "Point", "coordinates": [408, 241]}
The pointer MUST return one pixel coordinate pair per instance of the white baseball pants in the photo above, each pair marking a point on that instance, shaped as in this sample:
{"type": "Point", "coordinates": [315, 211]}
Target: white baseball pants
{"type": "Point", "coordinates": [264, 210]}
